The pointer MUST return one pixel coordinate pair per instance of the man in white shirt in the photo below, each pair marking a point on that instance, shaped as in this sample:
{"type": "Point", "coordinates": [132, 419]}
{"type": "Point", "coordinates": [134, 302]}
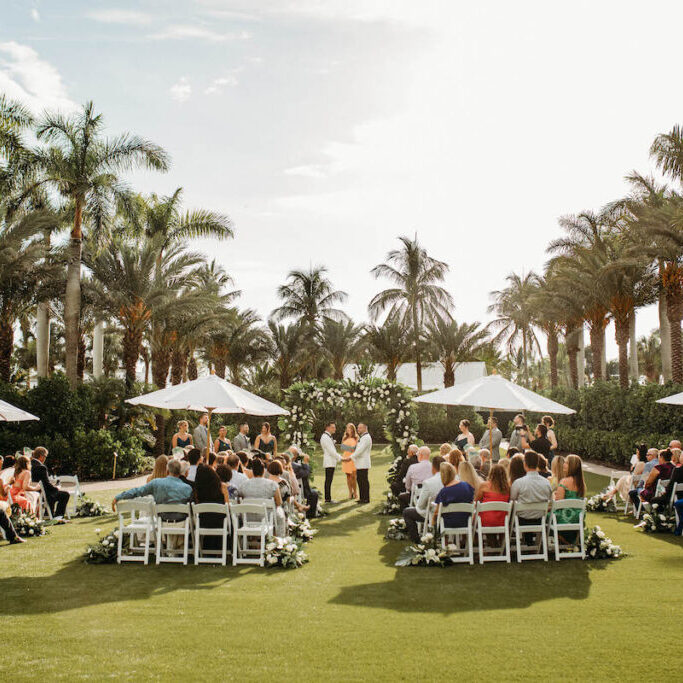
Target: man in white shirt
{"type": "Point", "coordinates": [361, 458]}
{"type": "Point", "coordinates": [237, 478]}
{"type": "Point", "coordinates": [330, 458]}
{"type": "Point", "coordinates": [430, 487]}
{"type": "Point", "coordinates": [416, 474]}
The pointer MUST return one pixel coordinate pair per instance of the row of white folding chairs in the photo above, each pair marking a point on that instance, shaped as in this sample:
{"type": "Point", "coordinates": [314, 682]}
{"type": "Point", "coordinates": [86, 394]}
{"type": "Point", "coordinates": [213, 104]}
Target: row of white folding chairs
{"type": "Point", "coordinates": [149, 532]}
{"type": "Point", "coordinates": [547, 526]}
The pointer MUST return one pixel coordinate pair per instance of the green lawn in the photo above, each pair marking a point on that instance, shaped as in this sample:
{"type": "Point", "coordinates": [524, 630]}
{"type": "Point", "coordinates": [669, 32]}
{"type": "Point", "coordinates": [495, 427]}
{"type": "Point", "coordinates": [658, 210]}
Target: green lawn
{"type": "Point", "coordinates": [348, 615]}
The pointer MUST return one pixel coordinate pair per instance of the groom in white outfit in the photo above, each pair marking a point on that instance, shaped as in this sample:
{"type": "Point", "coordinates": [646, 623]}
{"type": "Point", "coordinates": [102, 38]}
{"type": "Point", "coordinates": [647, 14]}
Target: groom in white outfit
{"type": "Point", "coordinates": [330, 458]}
{"type": "Point", "coordinates": [361, 458]}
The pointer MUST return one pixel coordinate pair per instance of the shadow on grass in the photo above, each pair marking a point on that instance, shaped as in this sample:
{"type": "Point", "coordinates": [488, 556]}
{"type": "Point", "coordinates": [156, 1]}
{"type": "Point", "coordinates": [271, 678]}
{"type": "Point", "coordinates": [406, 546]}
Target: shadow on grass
{"type": "Point", "coordinates": [629, 520]}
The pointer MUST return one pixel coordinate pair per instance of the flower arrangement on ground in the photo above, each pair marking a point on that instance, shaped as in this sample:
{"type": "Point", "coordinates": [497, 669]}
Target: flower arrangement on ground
{"type": "Point", "coordinates": [600, 547]}
{"type": "Point", "coordinates": [391, 505]}
{"type": "Point", "coordinates": [427, 553]}
{"type": "Point", "coordinates": [396, 530]}
{"type": "Point", "coordinates": [657, 519]}
{"type": "Point", "coordinates": [300, 528]}
{"type": "Point", "coordinates": [26, 524]}
{"type": "Point", "coordinates": [104, 551]}
{"type": "Point", "coordinates": [284, 552]}
{"type": "Point", "coordinates": [601, 503]}
{"type": "Point", "coordinates": [86, 507]}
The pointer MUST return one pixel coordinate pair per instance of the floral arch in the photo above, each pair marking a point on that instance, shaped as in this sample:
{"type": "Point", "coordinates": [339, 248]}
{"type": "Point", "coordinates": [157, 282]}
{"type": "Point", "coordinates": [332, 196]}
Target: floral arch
{"type": "Point", "coordinates": [305, 400]}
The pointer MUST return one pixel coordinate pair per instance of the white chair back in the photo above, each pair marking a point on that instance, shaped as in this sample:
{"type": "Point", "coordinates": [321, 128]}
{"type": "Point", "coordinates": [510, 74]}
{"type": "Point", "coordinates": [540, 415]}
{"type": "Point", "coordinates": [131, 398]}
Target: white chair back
{"type": "Point", "coordinates": [141, 521]}
{"type": "Point", "coordinates": [71, 484]}
{"type": "Point", "coordinates": [211, 555]}
{"type": "Point", "coordinates": [249, 521]}
{"type": "Point", "coordinates": [535, 525]}
{"type": "Point", "coordinates": [167, 530]}
{"type": "Point", "coordinates": [573, 527]}
{"type": "Point", "coordinates": [465, 554]}
{"type": "Point", "coordinates": [44, 507]}
{"type": "Point", "coordinates": [415, 490]}
{"type": "Point", "coordinates": [676, 491]}
{"type": "Point", "coordinates": [501, 530]}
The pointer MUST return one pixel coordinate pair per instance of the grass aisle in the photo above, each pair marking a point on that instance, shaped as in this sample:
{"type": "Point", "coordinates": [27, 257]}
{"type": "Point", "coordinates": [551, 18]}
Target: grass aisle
{"type": "Point", "coordinates": [348, 615]}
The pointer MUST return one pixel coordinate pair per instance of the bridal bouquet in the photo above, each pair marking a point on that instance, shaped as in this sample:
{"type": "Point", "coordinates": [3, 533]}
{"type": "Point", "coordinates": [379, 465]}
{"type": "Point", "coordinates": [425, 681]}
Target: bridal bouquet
{"type": "Point", "coordinates": [284, 552]}
{"type": "Point", "coordinates": [600, 503]}
{"type": "Point", "coordinates": [26, 523]}
{"type": "Point", "coordinates": [396, 530]}
{"type": "Point", "coordinates": [658, 519]}
{"type": "Point", "coordinates": [300, 528]}
{"type": "Point", "coordinates": [600, 547]}
{"type": "Point", "coordinates": [86, 507]}
{"type": "Point", "coordinates": [105, 550]}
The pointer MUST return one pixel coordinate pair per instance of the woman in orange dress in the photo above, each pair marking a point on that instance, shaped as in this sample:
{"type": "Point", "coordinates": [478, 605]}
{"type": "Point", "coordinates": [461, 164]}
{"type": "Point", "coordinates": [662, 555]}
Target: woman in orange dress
{"type": "Point", "coordinates": [348, 446]}
{"type": "Point", "coordinates": [21, 485]}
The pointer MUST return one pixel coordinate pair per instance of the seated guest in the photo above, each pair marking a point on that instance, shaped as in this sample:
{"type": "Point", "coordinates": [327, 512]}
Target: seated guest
{"type": "Point", "coordinates": [531, 488]}
{"type": "Point", "coordinates": [398, 484]}
{"type": "Point", "coordinates": [454, 491]}
{"type": "Point", "coordinates": [56, 498]}
{"type": "Point", "coordinates": [675, 478]}
{"type": "Point", "coordinates": [210, 457]}
{"type": "Point", "coordinates": [543, 466]}
{"type": "Point", "coordinates": [505, 464]}
{"type": "Point", "coordinates": [169, 490]}
{"type": "Point", "coordinates": [455, 457]}
{"type": "Point", "coordinates": [571, 487]}
{"type": "Point", "coordinates": [208, 488]}
{"type": "Point", "coordinates": [517, 470]}
{"type": "Point", "coordinates": [444, 449]}
{"type": "Point", "coordinates": [184, 469]}
{"type": "Point", "coordinates": [676, 456]}
{"type": "Point", "coordinates": [466, 472]}
{"type": "Point", "coordinates": [496, 489]}
{"type": "Point", "coordinates": [258, 487]}
{"type": "Point", "coordinates": [301, 469]}
{"type": "Point", "coordinates": [652, 460]}
{"type": "Point", "coordinates": [193, 457]}
{"type": "Point", "coordinates": [476, 462]}
{"type": "Point", "coordinates": [23, 492]}
{"type": "Point", "coordinates": [675, 444]}
{"type": "Point", "coordinates": [6, 524]}
{"type": "Point", "coordinates": [540, 444]}
{"type": "Point", "coordinates": [244, 464]}
{"type": "Point", "coordinates": [225, 474]}
{"type": "Point", "coordinates": [660, 472]}
{"type": "Point", "coordinates": [416, 474]}
{"type": "Point", "coordinates": [557, 471]}
{"type": "Point", "coordinates": [160, 468]}
{"type": "Point", "coordinates": [414, 516]}
{"type": "Point", "coordinates": [492, 443]}
{"type": "Point", "coordinates": [510, 452]}
{"type": "Point", "coordinates": [678, 506]}
{"type": "Point", "coordinates": [237, 478]}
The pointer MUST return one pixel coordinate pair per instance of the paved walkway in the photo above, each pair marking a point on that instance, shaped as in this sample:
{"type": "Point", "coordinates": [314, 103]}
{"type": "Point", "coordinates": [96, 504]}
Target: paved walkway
{"type": "Point", "coordinates": [126, 483]}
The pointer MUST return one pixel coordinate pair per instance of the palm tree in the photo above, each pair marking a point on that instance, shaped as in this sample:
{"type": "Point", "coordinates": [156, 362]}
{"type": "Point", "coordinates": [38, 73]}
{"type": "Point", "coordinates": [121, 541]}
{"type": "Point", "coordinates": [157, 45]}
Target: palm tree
{"type": "Point", "coordinates": [650, 357]}
{"type": "Point", "coordinates": [417, 298]}
{"type": "Point", "coordinates": [550, 315]}
{"type": "Point", "coordinates": [453, 344]}
{"type": "Point", "coordinates": [81, 164]}
{"type": "Point", "coordinates": [340, 342]}
{"type": "Point", "coordinates": [389, 345]}
{"type": "Point", "coordinates": [286, 350]}
{"type": "Point", "coordinates": [514, 307]}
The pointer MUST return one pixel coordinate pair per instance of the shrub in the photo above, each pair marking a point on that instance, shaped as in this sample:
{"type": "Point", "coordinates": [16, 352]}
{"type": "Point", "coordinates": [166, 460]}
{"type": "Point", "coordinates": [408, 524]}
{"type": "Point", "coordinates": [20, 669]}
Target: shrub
{"type": "Point", "coordinates": [436, 426]}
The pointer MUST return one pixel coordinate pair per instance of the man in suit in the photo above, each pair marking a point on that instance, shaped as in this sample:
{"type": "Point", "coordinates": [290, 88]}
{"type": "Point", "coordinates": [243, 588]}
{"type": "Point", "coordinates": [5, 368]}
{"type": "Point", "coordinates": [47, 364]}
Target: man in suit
{"type": "Point", "coordinates": [398, 484]}
{"type": "Point", "coordinates": [201, 433]}
{"type": "Point", "coordinates": [495, 439]}
{"type": "Point", "coordinates": [56, 498]}
{"type": "Point", "coordinates": [330, 458]}
{"type": "Point", "coordinates": [241, 442]}
{"type": "Point", "coordinates": [361, 458]}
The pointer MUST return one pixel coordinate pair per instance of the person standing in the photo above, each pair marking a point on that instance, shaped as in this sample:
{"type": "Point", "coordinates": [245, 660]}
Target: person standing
{"type": "Point", "coordinates": [201, 433]}
{"type": "Point", "coordinates": [181, 439]}
{"type": "Point", "coordinates": [361, 459]}
{"type": "Point", "coordinates": [330, 458]}
{"type": "Point", "coordinates": [348, 446]}
{"type": "Point", "coordinates": [492, 442]}
{"type": "Point", "coordinates": [466, 438]}
{"type": "Point", "coordinates": [241, 442]}
{"type": "Point", "coordinates": [266, 442]}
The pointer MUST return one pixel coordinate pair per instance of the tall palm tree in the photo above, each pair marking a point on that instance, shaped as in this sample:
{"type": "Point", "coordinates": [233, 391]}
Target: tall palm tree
{"type": "Point", "coordinates": [452, 343]}
{"type": "Point", "coordinates": [82, 165]}
{"type": "Point", "coordinates": [649, 356]}
{"type": "Point", "coordinates": [516, 315]}
{"type": "Point", "coordinates": [340, 342]}
{"type": "Point", "coordinates": [389, 344]}
{"type": "Point", "coordinates": [286, 351]}
{"type": "Point", "coordinates": [417, 297]}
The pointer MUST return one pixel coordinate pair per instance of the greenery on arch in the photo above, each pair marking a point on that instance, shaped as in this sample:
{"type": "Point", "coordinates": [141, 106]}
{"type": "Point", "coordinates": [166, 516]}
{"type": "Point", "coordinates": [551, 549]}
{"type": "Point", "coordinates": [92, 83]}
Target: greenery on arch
{"type": "Point", "coordinates": [309, 401]}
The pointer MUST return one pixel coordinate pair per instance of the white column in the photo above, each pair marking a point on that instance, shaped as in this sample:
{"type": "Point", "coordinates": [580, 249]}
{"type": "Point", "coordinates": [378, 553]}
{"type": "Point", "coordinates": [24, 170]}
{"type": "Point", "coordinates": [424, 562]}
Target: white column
{"type": "Point", "coordinates": [98, 349]}
{"type": "Point", "coordinates": [665, 338]}
{"type": "Point", "coordinates": [604, 355]}
{"type": "Point", "coordinates": [43, 339]}
{"type": "Point", "coordinates": [633, 371]}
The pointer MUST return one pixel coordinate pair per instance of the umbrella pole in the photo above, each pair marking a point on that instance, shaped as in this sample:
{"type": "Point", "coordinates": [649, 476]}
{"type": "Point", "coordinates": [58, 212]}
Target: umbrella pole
{"type": "Point", "coordinates": [113, 475]}
{"type": "Point", "coordinates": [208, 437]}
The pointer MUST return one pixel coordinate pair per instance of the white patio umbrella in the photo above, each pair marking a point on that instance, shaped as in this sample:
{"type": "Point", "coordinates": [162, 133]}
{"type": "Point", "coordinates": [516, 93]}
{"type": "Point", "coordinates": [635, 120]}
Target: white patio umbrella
{"type": "Point", "coordinates": [10, 413]}
{"type": "Point", "coordinates": [495, 393]}
{"type": "Point", "coordinates": [675, 400]}
{"type": "Point", "coordinates": [209, 394]}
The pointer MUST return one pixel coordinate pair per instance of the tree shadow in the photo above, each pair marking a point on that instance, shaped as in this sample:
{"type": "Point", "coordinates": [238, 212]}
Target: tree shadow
{"type": "Point", "coordinates": [667, 537]}
{"type": "Point", "coordinates": [346, 519]}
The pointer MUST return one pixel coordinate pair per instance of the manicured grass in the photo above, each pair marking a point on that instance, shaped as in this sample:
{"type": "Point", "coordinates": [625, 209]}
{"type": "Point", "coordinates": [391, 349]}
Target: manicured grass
{"type": "Point", "coordinates": [348, 615]}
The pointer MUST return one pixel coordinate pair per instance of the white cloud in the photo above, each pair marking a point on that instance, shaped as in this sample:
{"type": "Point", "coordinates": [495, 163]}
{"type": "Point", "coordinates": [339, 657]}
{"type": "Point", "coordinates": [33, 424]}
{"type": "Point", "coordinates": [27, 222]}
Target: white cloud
{"type": "Point", "coordinates": [216, 86]}
{"type": "Point", "coordinates": [192, 31]}
{"type": "Point", "coordinates": [24, 76]}
{"type": "Point", "coordinates": [119, 16]}
{"type": "Point", "coordinates": [181, 90]}
{"type": "Point", "coordinates": [35, 15]}
{"type": "Point", "coordinates": [308, 171]}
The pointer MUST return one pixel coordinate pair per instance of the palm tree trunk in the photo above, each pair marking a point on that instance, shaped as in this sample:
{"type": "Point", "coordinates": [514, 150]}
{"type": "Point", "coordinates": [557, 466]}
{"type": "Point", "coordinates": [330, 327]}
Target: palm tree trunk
{"type": "Point", "coordinates": [6, 348]}
{"type": "Point", "coordinates": [192, 368]}
{"type": "Point", "coordinates": [98, 349]}
{"type": "Point", "coordinates": [604, 354]}
{"type": "Point", "coordinates": [418, 360]}
{"type": "Point", "coordinates": [633, 370]}
{"type": "Point", "coordinates": [177, 364]}
{"type": "Point", "coordinates": [581, 358]}
{"type": "Point", "coordinates": [160, 364]}
{"type": "Point", "coordinates": [525, 359]}
{"type": "Point", "coordinates": [72, 297]}
{"type": "Point", "coordinates": [132, 341]}
{"type": "Point", "coordinates": [81, 357]}
{"type": "Point", "coordinates": [621, 336]}
{"type": "Point", "coordinates": [572, 344]}
{"type": "Point", "coordinates": [552, 356]}
{"type": "Point", "coordinates": [596, 333]}
{"type": "Point", "coordinates": [391, 372]}
{"type": "Point", "coordinates": [43, 339]}
{"type": "Point", "coordinates": [673, 312]}
{"type": "Point", "coordinates": [220, 367]}
{"type": "Point", "coordinates": [665, 337]}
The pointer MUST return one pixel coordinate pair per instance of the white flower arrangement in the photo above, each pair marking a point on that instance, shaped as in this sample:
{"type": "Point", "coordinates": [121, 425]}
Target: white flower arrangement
{"type": "Point", "coordinates": [391, 505]}
{"type": "Point", "coordinates": [427, 553]}
{"type": "Point", "coordinates": [396, 530]}
{"type": "Point", "coordinates": [26, 524]}
{"type": "Point", "coordinates": [285, 553]}
{"type": "Point", "coordinates": [300, 528]}
{"type": "Point", "coordinates": [104, 551]}
{"type": "Point", "coordinates": [657, 519]}
{"type": "Point", "coordinates": [600, 503]}
{"type": "Point", "coordinates": [600, 547]}
{"type": "Point", "coordinates": [85, 507]}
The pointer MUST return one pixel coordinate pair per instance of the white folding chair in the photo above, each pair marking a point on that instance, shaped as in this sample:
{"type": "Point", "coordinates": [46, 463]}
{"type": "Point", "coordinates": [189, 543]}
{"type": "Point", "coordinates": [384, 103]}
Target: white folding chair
{"type": "Point", "coordinates": [44, 508]}
{"type": "Point", "coordinates": [465, 554]}
{"type": "Point", "coordinates": [614, 477]}
{"type": "Point", "coordinates": [426, 525]}
{"type": "Point", "coordinates": [635, 481]}
{"type": "Point", "coordinates": [249, 521]}
{"type": "Point", "coordinates": [141, 521]}
{"type": "Point", "coordinates": [271, 510]}
{"type": "Point", "coordinates": [167, 530]}
{"type": "Point", "coordinates": [538, 528]}
{"type": "Point", "coordinates": [675, 492]}
{"type": "Point", "coordinates": [504, 551]}
{"type": "Point", "coordinates": [71, 484]}
{"type": "Point", "coordinates": [414, 494]}
{"type": "Point", "coordinates": [300, 496]}
{"type": "Point", "coordinates": [557, 528]}
{"type": "Point", "coordinates": [210, 555]}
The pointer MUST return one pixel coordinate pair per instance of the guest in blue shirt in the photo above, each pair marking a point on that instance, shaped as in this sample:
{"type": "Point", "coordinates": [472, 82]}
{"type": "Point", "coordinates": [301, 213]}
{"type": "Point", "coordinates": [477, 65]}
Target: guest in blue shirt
{"type": "Point", "coordinates": [169, 490]}
{"type": "Point", "coordinates": [453, 491]}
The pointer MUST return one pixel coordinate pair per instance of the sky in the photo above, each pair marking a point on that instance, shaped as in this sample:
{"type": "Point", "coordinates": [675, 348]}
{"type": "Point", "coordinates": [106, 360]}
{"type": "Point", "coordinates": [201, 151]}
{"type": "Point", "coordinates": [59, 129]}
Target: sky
{"type": "Point", "coordinates": [327, 129]}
